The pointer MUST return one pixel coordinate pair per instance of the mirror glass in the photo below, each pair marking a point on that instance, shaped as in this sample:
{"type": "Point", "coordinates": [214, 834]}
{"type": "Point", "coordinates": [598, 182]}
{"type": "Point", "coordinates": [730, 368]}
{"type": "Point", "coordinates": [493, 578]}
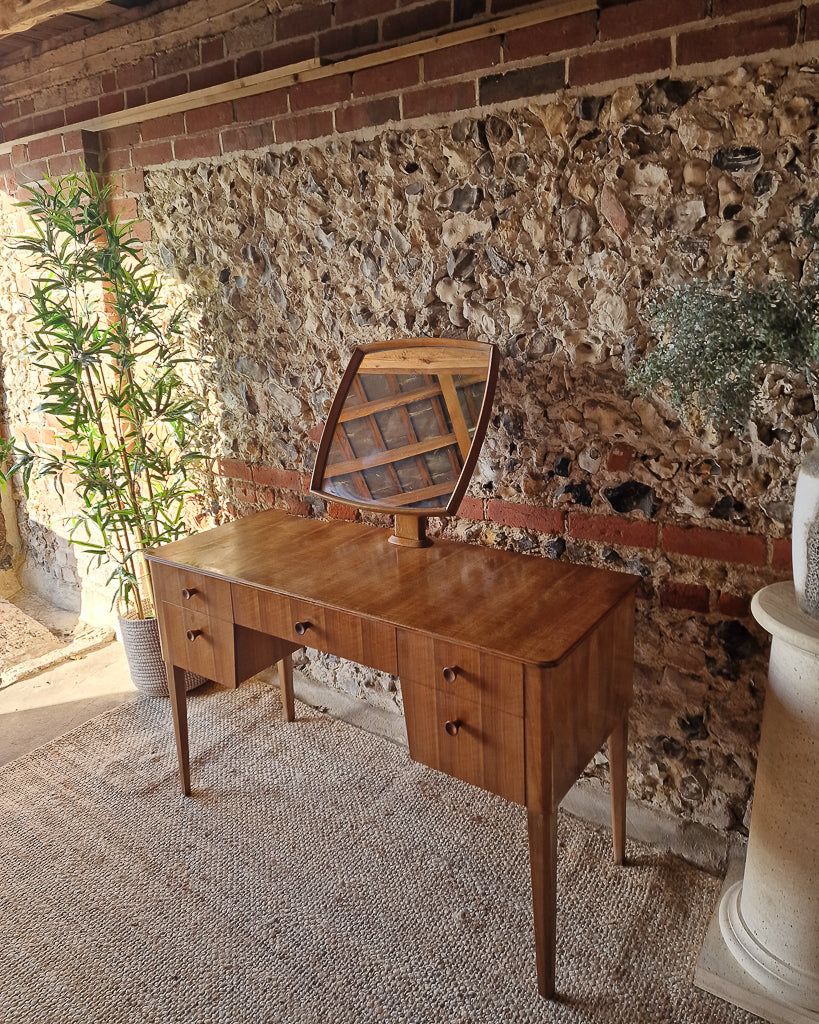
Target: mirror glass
{"type": "Point", "coordinates": [408, 421]}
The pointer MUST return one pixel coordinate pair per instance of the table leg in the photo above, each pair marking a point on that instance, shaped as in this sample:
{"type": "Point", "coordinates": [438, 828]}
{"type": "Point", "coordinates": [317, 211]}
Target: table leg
{"type": "Point", "coordinates": [543, 863]}
{"type": "Point", "coordinates": [618, 764]}
{"type": "Point", "coordinates": [285, 670]}
{"type": "Point", "coordinates": [179, 710]}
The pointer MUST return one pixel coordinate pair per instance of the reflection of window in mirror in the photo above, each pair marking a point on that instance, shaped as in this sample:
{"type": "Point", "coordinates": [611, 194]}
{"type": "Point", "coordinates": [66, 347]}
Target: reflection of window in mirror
{"type": "Point", "coordinates": [406, 427]}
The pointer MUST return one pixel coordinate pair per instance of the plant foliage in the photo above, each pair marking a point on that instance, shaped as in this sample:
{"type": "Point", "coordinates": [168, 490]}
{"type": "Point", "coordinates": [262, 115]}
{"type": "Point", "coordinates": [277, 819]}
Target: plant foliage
{"type": "Point", "coordinates": [111, 356]}
{"type": "Point", "coordinates": [717, 336]}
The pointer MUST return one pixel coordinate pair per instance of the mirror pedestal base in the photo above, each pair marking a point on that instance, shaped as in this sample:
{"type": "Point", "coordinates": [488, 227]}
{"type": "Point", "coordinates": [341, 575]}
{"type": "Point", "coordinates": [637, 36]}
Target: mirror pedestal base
{"type": "Point", "coordinates": [410, 532]}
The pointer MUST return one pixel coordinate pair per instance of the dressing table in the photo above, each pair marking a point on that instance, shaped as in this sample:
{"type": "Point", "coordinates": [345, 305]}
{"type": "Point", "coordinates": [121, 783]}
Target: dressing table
{"type": "Point", "coordinates": [514, 669]}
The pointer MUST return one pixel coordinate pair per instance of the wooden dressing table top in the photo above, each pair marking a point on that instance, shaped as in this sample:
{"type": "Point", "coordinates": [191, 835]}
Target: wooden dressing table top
{"type": "Point", "coordinates": [501, 602]}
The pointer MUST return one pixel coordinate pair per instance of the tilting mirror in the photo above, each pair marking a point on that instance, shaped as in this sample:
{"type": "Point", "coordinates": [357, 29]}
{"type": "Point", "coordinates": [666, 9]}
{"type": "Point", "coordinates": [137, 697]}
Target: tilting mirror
{"type": "Point", "coordinates": [405, 429]}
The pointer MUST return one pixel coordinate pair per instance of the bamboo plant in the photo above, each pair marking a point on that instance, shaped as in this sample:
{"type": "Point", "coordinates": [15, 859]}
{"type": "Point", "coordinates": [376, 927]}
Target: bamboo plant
{"type": "Point", "coordinates": [111, 357]}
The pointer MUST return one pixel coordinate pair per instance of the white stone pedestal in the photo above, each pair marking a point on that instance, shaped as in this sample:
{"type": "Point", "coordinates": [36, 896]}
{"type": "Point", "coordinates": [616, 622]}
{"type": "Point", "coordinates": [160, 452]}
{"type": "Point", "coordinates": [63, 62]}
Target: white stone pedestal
{"type": "Point", "coordinates": [770, 919]}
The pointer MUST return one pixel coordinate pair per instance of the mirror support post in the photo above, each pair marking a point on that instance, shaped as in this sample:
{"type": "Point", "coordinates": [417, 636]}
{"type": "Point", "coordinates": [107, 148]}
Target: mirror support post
{"type": "Point", "coordinates": [410, 532]}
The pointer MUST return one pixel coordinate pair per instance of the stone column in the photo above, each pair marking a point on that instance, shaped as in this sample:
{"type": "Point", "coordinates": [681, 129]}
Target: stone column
{"type": "Point", "coordinates": [770, 920]}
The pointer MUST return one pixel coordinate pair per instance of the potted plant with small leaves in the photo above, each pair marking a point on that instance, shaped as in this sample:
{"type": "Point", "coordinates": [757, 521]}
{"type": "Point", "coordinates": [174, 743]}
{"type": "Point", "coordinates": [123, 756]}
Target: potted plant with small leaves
{"type": "Point", "coordinates": [111, 357]}
{"type": "Point", "coordinates": [716, 340]}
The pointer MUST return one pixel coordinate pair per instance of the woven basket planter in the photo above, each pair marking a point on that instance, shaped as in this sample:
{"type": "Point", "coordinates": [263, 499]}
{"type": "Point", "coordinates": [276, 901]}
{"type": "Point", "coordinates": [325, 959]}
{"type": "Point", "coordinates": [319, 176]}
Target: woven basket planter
{"type": "Point", "coordinates": [140, 638]}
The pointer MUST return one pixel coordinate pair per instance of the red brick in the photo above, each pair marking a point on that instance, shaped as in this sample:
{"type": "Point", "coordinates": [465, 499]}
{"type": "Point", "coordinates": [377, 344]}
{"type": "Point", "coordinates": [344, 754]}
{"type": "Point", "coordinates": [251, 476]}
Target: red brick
{"type": "Point", "coordinates": [437, 99]}
{"type": "Point", "coordinates": [782, 556]}
{"type": "Point", "coordinates": [245, 492]}
{"type": "Point", "coordinates": [371, 112]}
{"type": "Point", "coordinates": [811, 24]}
{"type": "Point", "coordinates": [199, 147]}
{"type": "Point", "coordinates": [470, 508]}
{"type": "Point", "coordinates": [551, 37]}
{"type": "Point", "coordinates": [135, 97]}
{"type": "Point", "coordinates": [116, 160]}
{"type": "Point", "coordinates": [523, 82]}
{"type": "Point", "coordinates": [527, 517]}
{"type": "Point", "coordinates": [620, 457]}
{"type": "Point", "coordinates": [137, 73]}
{"type": "Point", "coordinates": [5, 162]}
{"type": "Point", "coordinates": [233, 469]}
{"type": "Point", "coordinates": [81, 138]}
{"type": "Point", "coordinates": [19, 129]}
{"type": "Point", "coordinates": [716, 545]}
{"type": "Point", "coordinates": [31, 172]}
{"type": "Point", "coordinates": [632, 19]}
{"type": "Point", "coordinates": [338, 511]}
{"type": "Point", "coordinates": [141, 230]}
{"type": "Point", "coordinates": [168, 127]}
{"type": "Point", "coordinates": [212, 49]}
{"type": "Point", "coordinates": [735, 606]}
{"type": "Point", "coordinates": [249, 64]}
{"type": "Point", "coordinates": [400, 74]}
{"type": "Point", "coordinates": [235, 140]}
{"type": "Point", "coordinates": [262, 107]}
{"type": "Point", "coordinates": [288, 53]}
{"type": "Point", "coordinates": [337, 41]}
{"type": "Point", "coordinates": [305, 126]}
{"type": "Point", "coordinates": [180, 58]}
{"type": "Point", "coordinates": [214, 74]}
{"type": "Point", "coordinates": [737, 39]}
{"type": "Point", "coordinates": [9, 112]}
{"type": "Point", "coordinates": [358, 10]}
{"type": "Point", "coordinates": [120, 138]}
{"type": "Point", "coordinates": [48, 122]}
{"type": "Point", "coordinates": [272, 476]}
{"type": "Point", "coordinates": [420, 19]}
{"type": "Point", "coordinates": [687, 596]}
{"type": "Point", "coordinates": [49, 146]}
{"type": "Point", "coordinates": [64, 163]}
{"type": "Point", "coordinates": [124, 209]}
{"type": "Point", "coordinates": [167, 87]}
{"type": "Point", "coordinates": [304, 21]}
{"type": "Point", "coordinates": [134, 182]}
{"type": "Point", "coordinates": [622, 62]}
{"type": "Point", "coordinates": [108, 81]}
{"type": "Point", "coordinates": [152, 155]}
{"type": "Point", "coordinates": [82, 112]}
{"type": "Point", "coordinates": [719, 8]}
{"type": "Point", "coordinates": [322, 92]}
{"type": "Point", "coordinates": [459, 60]}
{"type": "Point", "coordinates": [112, 103]}
{"type": "Point", "coordinates": [636, 533]}
{"type": "Point", "coordinates": [200, 119]}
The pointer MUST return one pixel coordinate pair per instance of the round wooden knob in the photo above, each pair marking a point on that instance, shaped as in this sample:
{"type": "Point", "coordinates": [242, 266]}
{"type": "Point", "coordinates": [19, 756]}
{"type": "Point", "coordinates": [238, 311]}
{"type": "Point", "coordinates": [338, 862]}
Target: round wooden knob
{"type": "Point", "coordinates": [453, 727]}
{"type": "Point", "coordinates": [451, 673]}
{"type": "Point", "coordinates": [188, 594]}
{"type": "Point", "coordinates": [192, 634]}
{"type": "Point", "coordinates": [301, 627]}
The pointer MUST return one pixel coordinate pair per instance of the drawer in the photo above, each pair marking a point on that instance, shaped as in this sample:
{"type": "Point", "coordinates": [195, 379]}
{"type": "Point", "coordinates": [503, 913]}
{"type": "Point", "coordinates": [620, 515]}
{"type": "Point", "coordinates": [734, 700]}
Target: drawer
{"type": "Point", "coordinates": [450, 668]}
{"type": "Point", "coordinates": [190, 589]}
{"type": "Point", "coordinates": [198, 642]}
{"type": "Point", "coordinates": [463, 738]}
{"type": "Point", "coordinates": [358, 638]}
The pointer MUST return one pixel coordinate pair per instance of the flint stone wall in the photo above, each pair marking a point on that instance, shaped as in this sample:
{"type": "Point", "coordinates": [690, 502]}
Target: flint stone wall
{"type": "Point", "coordinates": [541, 229]}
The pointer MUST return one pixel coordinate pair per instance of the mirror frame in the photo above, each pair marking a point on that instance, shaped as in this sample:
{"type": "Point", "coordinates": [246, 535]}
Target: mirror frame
{"type": "Point", "coordinates": [332, 423]}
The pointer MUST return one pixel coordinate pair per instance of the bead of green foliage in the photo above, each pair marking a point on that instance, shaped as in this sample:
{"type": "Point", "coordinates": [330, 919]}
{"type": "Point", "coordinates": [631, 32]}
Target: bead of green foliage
{"type": "Point", "coordinates": [715, 338]}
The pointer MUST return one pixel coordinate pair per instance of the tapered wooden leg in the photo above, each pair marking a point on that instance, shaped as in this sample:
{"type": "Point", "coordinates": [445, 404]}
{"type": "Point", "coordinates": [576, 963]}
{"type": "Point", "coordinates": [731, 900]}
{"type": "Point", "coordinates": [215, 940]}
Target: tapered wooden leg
{"type": "Point", "coordinates": [543, 861]}
{"type": "Point", "coordinates": [618, 764]}
{"type": "Point", "coordinates": [179, 710]}
{"type": "Point", "coordinates": [285, 670]}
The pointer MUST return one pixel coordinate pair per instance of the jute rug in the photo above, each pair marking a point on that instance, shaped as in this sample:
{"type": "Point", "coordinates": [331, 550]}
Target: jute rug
{"type": "Point", "coordinates": [317, 875]}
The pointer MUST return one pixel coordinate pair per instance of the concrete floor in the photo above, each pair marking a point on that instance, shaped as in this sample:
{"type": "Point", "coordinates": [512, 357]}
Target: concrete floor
{"type": "Point", "coordinates": [36, 710]}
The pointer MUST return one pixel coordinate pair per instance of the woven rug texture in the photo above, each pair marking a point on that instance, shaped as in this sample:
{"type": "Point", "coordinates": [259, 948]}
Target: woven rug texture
{"type": "Point", "coordinates": [316, 875]}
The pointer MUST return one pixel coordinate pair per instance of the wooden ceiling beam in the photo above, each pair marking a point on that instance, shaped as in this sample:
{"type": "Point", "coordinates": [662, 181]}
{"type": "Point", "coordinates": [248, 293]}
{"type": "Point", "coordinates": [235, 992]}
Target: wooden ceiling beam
{"type": "Point", "coordinates": [21, 15]}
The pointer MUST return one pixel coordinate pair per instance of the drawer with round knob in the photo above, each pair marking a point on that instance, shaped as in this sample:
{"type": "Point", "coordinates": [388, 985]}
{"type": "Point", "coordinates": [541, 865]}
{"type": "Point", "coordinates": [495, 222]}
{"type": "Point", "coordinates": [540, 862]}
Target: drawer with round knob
{"type": "Point", "coordinates": [198, 642]}
{"type": "Point", "coordinates": [464, 738]}
{"type": "Point", "coordinates": [356, 637]}
{"type": "Point", "coordinates": [190, 589]}
{"type": "Point", "coordinates": [463, 671]}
